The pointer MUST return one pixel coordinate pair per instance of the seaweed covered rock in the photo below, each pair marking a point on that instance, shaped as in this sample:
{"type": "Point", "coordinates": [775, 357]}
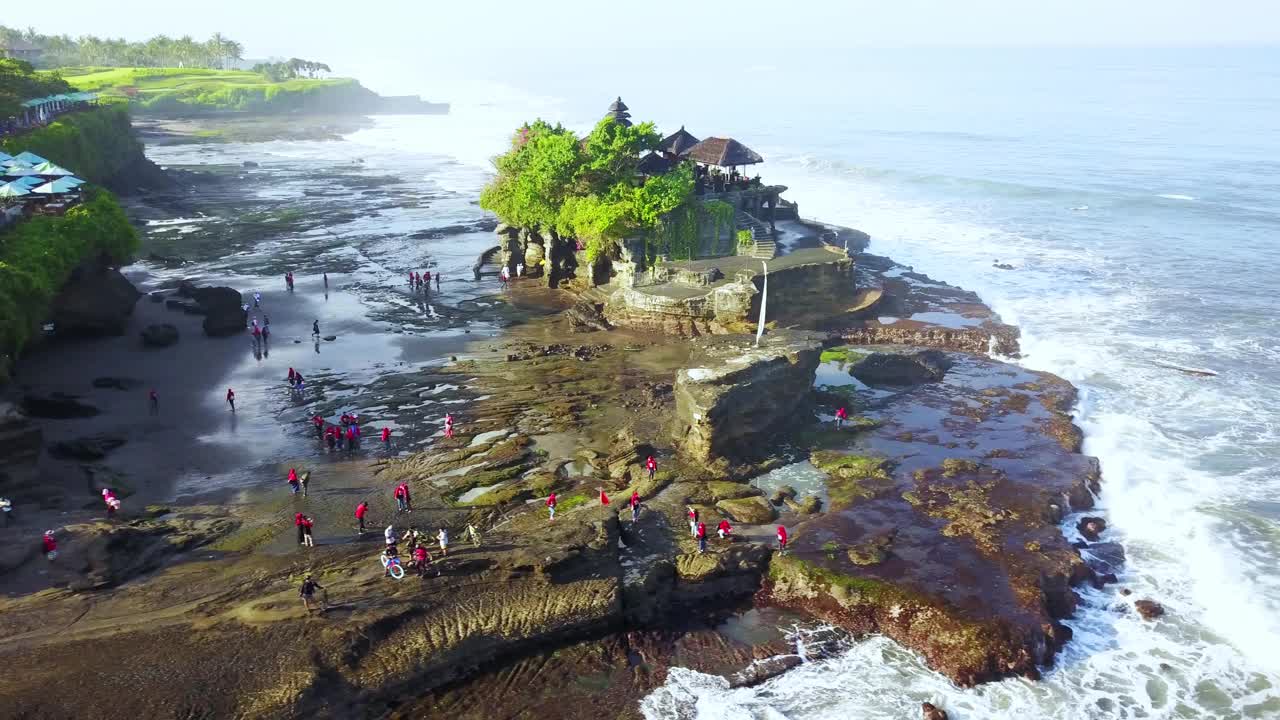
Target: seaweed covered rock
{"type": "Point", "coordinates": [750, 510]}
{"type": "Point", "coordinates": [881, 368]}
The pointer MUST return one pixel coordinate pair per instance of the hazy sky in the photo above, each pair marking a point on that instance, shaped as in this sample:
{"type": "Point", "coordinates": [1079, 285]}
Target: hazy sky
{"type": "Point", "coordinates": [407, 45]}
{"type": "Point", "coordinates": [330, 29]}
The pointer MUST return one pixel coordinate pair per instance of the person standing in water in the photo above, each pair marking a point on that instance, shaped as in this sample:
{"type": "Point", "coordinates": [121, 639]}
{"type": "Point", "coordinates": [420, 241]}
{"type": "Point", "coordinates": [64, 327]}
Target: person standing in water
{"type": "Point", "coordinates": [437, 281]}
{"type": "Point", "coordinates": [315, 328]}
{"type": "Point", "coordinates": [326, 280]}
{"type": "Point", "coordinates": [231, 399]}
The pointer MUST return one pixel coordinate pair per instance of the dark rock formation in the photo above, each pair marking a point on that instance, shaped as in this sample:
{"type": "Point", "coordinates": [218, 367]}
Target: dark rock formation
{"type": "Point", "coordinates": [162, 335]}
{"type": "Point", "coordinates": [929, 711]}
{"type": "Point", "coordinates": [20, 444]}
{"type": "Point", "coordinates": [56, 406]}
{"type": "Point", "coordinates": [880, 368]}
{"type": "Point", "coordinates": [735, 391]}
{"type": "Point", "coordinates": [97, 300]}
{"type": "Point", "coordinates": [105, 555]}
{"type": "Point", "coordinates": [1091, 527]}
{"type": "Point", "coordinates": [224, 311]}
{"type": "Point", "coordinates": [1149, 609]}
{"type": "Point", "coordinates": [95, 447]}
{"type": "Point", "coordinates": [117, 383]}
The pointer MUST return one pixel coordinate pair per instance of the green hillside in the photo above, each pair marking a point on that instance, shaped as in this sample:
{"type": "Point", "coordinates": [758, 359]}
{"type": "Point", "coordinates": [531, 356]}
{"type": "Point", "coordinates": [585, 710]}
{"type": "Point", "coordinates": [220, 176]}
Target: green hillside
{"type": "Point", "coordinates": [198, 91]}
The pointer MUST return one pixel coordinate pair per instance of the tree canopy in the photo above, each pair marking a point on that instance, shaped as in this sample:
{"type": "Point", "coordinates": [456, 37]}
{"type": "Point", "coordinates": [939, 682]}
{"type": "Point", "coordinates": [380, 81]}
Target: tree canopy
{"type": "Point", "coordinates": [588, 189]}
{"type": "Point", "coordinates": [159, 51]}
{"type": "Point", "coordinates": [290, 69]}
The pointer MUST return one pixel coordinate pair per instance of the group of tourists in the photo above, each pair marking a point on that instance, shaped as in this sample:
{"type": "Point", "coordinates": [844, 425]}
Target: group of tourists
{"type": "Point", "coordinates": [698, 529]}
{"type": "Point", "coordinates": [344, 435]}
{"type": "Point", "coordinates": [421, 281]}
{"type": "Point", "coordinates": [304, 524]}
{"type": "Point", "coordinates": [297, 384]}
{"type": "Point", "coordinates": [504, 275]}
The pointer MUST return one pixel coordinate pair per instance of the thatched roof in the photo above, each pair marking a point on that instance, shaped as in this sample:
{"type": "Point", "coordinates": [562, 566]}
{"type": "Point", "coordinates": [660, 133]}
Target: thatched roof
{"type": "Point", "coordinates": [678, 142]}
{"type": "Point", "coordinates": [618, 106]}
{"type": "Point", "coordinates": [654, 164]}
{"type": "Point", "coordinates": [725, 152]}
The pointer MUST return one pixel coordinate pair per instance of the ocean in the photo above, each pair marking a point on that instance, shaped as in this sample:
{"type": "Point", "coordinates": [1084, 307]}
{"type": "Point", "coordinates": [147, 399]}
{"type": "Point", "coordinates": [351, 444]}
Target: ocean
{"type": "Point", "coordinates": [1136, 194]}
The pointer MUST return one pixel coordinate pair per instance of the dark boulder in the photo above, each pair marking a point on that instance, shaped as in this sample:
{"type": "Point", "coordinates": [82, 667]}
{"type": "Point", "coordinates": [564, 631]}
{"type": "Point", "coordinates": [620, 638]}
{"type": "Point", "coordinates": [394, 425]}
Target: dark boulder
{"type": "Point", "coordinates": [156, 297]}
{"type": "Point", "coordinates": [86, 448]}
{"type": "Point", "coordinates": [162, 335]}
{"type": "Point", "coordinates": [330, 338]}
{"type": "Point", "coordinates": [1149, 609]}
{"type": "Point", "coordinates": [96, 301]}
{"type": "Point", "coordinates": [56, 406]}
{"type": "Point", "coordinates": [902, 369]}
{"type": "Point", "coordinates": [1091, 527]}
{"type": "Point", "coordinates": [116, 383]}
{"type": "Point", "coordinates": [224, 311]}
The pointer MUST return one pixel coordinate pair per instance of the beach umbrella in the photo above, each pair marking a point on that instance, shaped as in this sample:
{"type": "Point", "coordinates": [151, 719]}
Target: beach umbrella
{"type": "Point", "coordinates": [17, 171]}
{"type": "Point", "coordinates": [12, 190]}
{"type": "Point", "coordinates": [55, 187]}
{"type": "Point", "coordinates": [50, 169]}
{"type": "Point", "coordinates": [29, 158]}
{"type": "Point", "coordinates": [29, 181]}
{"type": "Point", "coordinates": [5, 156]}
{"type": "Point", "coordinates": [73, 181]}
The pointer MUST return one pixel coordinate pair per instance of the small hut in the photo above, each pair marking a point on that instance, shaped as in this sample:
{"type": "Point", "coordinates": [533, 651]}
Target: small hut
{"type": "Point", "coordinates": [723, 152]}
{"type": "Point", "coordinates": [679, 143]}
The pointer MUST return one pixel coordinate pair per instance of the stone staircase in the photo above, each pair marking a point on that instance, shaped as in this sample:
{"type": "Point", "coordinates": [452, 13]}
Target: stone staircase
{"type": "Point", "coordinates": [765, 250]}
{"type": "Point", "coordinates": [764, 247]}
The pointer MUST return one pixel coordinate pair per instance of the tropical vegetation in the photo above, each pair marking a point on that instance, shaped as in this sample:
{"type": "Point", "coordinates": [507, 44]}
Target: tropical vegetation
{"type": "Point", "coordinates": [290, 69]}
{"type": "Point", "coordinates": [590, 189]}
{"type": "Point", "coordinates": [160, 51]}
{"type": "Point", "coordinates": [96, 144]}
{"type": "Point", "coordinates": [38, 255]}
{"type": "Point", "coordinates": [19, 82]}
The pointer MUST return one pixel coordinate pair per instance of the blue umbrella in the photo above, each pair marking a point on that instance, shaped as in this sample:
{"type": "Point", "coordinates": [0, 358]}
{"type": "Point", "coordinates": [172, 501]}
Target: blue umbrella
{"type": "Point", "coordinates": [5, 156]}
{"type": "Point", "coordinates": [55, 187]}
{"type": "Point", "coordinates": [16, 171]}
{"type": "Point", "coordinates": [50, 169]}
{"type": "Point", "coordinates": [29, 181]}
{"type": "Point", "coordinates": [13, 190]}
{"type": "Point", "coordinates": [29, 158]}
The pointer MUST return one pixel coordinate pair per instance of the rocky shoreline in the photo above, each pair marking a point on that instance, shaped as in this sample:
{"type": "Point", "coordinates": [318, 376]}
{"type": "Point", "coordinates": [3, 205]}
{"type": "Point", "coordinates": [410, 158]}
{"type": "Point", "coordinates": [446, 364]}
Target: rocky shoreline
{"type": "Point", "coordinates": [936, 524]}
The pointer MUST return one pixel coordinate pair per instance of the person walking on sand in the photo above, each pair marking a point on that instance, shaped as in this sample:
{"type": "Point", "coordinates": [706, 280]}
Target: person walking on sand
{"type": "Point", "coordinates": [443, 537]}
{"type": "Point", "coordinates": [551, 506]}
{"type": "Point", "coordinates": [652, 466]}
{"type": "Point", "coordinates": [386, 439]}
{"type": "Point", "coordinates": [231, 399]}
{"type": "Point", "coordinates": [437, 281]}
{"type": "Point", "coordinates": [448, 425]}
{"type": "Point", "coordinates": [841, 415]}
{"type": "Point", "coordinates": [724, 529]}
{"type": "Point", "coordinates": [326, 280]}
{"type": "Point", "coordinates": [693, 520]}
{"type": "Point", "coordinates": [257, 299]}
{"type": "Point", "coordinates": [782, 539]}
{"type": "Point", "coordinates": [307, 523]}
{"type": "Point", "coordinates": [361, 510]}
{"type": "Point", "coordinates": [50, 545]}
{"type": "Point", "coordinates": [153, 401]}
{"type": "Point", "coordinates": [293, 481]}
{"type": "Point", "coordinates": [635, 506]}
{"type": "Point", "coordinates": [701, 534]}
{"type": "Point", "coordinates": [297, 524]}
{"type": "Point", "coordinates": [304, 479]}
{"type": "Point", "coordinates": [308, 591]}
{"type": "Point", "coordinates": [315, 329]}
{"type": "Point", "coordinates": [473, 534]}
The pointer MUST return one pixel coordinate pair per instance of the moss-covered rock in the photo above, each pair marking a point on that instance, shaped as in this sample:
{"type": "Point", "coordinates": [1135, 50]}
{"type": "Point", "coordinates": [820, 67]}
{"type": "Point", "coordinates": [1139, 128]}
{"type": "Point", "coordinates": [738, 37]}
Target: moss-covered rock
{"type": "Point", "coordinates": [853, 478]}
{"type": "Point", "coordinates": [751, 510]}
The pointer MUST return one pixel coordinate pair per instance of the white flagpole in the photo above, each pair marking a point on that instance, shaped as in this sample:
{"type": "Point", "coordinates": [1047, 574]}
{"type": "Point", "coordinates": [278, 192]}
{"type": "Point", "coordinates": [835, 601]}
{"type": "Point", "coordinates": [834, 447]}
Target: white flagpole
{"type": "Point", "coordinates": [764, 299]}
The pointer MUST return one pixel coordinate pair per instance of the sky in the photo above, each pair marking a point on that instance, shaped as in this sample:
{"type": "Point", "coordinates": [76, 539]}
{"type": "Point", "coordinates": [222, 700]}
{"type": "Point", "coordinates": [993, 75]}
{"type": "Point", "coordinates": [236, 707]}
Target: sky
{"type": "Point", "coordinates": [399, 45]}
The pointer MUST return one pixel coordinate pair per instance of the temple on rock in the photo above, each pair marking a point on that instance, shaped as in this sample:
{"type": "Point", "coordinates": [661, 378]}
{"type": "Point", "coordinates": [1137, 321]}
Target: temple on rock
{"type": "Point", "coordinates": [700, 269]}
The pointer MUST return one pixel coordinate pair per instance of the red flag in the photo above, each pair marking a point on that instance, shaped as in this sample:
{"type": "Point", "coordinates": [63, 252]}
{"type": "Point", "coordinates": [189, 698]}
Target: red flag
{"type": "Point", "coordinates": [604, 499]}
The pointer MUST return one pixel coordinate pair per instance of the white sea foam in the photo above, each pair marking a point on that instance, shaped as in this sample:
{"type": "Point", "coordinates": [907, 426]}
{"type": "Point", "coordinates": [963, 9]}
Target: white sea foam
{"type": "Point", "coordinates": [1175, 196]}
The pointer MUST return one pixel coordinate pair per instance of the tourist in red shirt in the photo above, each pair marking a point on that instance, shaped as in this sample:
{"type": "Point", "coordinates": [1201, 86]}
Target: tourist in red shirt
{"type": "Point", "coordinates": [361, 509]}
